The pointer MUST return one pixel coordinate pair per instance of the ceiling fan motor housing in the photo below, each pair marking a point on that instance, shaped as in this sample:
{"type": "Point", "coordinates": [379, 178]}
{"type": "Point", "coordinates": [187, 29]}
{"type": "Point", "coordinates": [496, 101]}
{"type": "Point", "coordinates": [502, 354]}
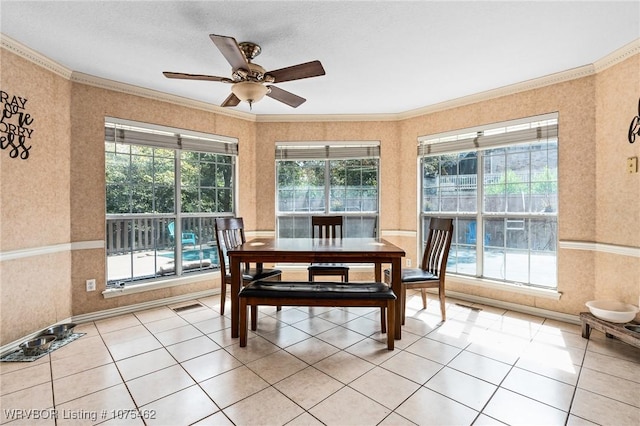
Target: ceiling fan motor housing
{"type": "Point", "coordinates": [250, 49]}
{"type": "Point", "coordinates": [254, 73]}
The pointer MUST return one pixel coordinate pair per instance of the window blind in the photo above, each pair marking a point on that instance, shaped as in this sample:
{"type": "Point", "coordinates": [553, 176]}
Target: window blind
{"type": "Point", "coordinates": [327, 150]}
{"type": "Point", "coordinates": [530, 130]}
{"type": "Point", "coordinates": [124, 133]}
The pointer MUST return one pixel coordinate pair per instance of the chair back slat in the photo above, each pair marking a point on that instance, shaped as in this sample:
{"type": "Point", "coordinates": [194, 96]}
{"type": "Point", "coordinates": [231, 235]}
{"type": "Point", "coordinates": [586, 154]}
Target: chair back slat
{"type": "Point", "coordinates": [325, 227]}
{"type": "Point", "coordinates": [230, 234]}
{"type": "Point", "coordinates": [436, 251]}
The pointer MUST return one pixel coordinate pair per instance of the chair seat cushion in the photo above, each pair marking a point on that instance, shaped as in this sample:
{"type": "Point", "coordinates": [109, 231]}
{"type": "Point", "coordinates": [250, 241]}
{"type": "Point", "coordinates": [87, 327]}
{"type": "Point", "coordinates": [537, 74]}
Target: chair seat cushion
{"type": "Point", "coordinates": [410, 275]}
{"type": "Point", "coordinates": [317, 290]}
{"type": "Point", "coordinates": [321, 266]}
{"type": "Point", "coordinates": [253, 274]}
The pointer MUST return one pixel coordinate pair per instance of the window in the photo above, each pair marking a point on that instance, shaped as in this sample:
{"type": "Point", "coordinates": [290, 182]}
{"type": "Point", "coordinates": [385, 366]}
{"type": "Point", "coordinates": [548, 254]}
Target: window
{"type": "Point", "coordinates": [164, 187]}
{"type": "Point", "coordinates": [500, 184]}
{"type": "Point", "coordinates": [327, 179]}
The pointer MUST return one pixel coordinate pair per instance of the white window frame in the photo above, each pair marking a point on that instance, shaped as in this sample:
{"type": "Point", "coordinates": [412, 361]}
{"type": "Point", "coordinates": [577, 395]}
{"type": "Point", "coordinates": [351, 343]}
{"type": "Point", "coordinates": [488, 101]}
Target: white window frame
{"type": "Point", "coordinates": [179, 141]}
{"type": "Point", "coordinates": [328, 151]}
{"type": "Point", "coordinates": [478, 140]}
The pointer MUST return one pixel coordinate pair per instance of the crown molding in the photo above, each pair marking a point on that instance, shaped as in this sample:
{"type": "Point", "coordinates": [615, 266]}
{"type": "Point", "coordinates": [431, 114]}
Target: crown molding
{"type": "Point", "coordinates": [607, 61]}
{"type": "Point", "coordinates": [289, 118]}
{"type": "Point", "coordinates": [511, 89]}
{"type": "Point", "coordinates": [129, 89]}
{"type": "Point", "coordinates": [31, 55]}
{"type": "Point", "coordinates": [617, 56]}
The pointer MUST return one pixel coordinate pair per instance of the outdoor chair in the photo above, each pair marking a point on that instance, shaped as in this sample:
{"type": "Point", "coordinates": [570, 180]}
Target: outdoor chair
{"type": "Point", "coordinates": [431, 273]}
{"type": "Point", "coordinates": [470, 235]}
{"type": "Point", "coordinates": [187, 237]}
{"type": "Point", "coordinates": [230, 234]}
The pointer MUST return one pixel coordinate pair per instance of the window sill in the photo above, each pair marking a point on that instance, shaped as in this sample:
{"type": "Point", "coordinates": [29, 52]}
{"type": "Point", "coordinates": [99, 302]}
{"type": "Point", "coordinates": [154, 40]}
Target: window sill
{"type": "Point", "coordinates": [462, 279]}
{"type": "Point", "coordinates": [510, 287]}
{"type": "Point", "coordinates": [157, 285]}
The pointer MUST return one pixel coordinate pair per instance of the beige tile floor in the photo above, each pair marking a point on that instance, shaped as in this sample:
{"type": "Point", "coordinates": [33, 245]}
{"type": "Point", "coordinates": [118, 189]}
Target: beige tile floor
{"type": "Point", "coordinates": [314, 366]}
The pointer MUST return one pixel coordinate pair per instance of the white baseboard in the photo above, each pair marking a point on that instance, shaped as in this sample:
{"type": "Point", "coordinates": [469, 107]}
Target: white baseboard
{"type": "Point", "coordinates": [96, 316]}
{"type": "Point", "coordinates": [560, 316]}
{"type": "Point", "coordinates": [108, 313]}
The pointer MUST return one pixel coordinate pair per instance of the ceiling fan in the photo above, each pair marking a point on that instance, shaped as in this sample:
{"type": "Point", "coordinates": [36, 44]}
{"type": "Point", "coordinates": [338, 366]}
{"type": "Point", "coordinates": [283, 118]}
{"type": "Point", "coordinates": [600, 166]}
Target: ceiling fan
{"type": "Point", "coordinates": [250, 82]}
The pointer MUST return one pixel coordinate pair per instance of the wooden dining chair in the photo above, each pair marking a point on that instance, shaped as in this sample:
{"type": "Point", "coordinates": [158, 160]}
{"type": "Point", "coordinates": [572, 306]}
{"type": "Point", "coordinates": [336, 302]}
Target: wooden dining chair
{"type": "Point", "coordinates": [230, 234]}
{"type": "Point", "coordinates": [431, 273]}
{"type": "Point", "coordinates": [327, 227]}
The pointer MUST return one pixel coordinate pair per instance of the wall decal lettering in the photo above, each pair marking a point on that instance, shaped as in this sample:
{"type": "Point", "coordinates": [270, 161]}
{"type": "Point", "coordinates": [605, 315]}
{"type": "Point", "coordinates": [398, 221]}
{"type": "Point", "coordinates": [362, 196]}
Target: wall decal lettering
{"type": "Point", "coordinates": [15, 125]}
{"type": "Point", "coordinates": [634, 127]}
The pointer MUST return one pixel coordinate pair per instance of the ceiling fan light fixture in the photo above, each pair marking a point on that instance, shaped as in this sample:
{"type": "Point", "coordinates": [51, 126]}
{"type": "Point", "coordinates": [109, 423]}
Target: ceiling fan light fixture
{"type": "Point", "coordinates": [249, 91]}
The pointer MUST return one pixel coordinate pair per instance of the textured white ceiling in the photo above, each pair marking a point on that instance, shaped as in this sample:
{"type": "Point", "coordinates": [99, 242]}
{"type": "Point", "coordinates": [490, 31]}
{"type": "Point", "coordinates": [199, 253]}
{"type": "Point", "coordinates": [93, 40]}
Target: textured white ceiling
{"type": "Point", "coordinates": [379, 57]}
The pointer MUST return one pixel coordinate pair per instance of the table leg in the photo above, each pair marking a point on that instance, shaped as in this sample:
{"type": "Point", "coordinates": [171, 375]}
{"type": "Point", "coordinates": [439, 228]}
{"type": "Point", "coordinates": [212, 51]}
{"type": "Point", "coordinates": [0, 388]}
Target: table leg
{"type": "Point", "coordinates": [236, 279]}
{"type": "Point", "coordinates": [396, 285]}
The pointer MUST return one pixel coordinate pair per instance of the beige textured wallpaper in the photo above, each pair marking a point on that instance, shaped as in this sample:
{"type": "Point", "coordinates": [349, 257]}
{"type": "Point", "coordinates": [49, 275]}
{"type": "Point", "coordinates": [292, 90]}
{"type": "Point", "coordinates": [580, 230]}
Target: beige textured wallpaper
{"type": "Point", "coordinates": [58, 193]}
{"type": "Point", "coordinates": [618, 192]}
{"type": "Point", "coordinates": [35, 191]}
{"type": "Point", "coordinates": [34, 200]}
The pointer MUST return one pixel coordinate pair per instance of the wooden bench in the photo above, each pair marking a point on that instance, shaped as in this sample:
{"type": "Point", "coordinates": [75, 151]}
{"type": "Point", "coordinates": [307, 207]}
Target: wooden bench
{"type": "Point", "coordinates": [296, 293]}
{"type": "Point", "coordinates": [610, 329]}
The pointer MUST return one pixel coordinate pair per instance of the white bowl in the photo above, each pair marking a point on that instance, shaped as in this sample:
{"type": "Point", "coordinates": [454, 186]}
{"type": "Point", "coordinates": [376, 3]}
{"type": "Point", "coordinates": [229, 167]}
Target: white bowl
{"type": "Point", "coordinates": [612, 310]}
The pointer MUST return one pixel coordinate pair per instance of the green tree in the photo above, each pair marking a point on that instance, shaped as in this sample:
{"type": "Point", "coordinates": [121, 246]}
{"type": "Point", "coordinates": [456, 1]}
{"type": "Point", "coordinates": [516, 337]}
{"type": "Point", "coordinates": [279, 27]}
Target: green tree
{"type": "Point", "coordinates": [509, 183]}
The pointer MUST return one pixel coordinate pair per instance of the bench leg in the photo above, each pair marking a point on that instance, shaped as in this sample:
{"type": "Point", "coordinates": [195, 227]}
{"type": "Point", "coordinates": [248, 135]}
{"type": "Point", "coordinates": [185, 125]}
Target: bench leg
{"type": "Point", "coordinates": [279, 307]}
{"type": "Point", "coordinates": [403, 303]}
{"type": "Point", "coordinates": [391, 324]}
{"type": "Point", "coordinates": [243, 322]}
{"type": "Point", "coordinates": [254, 317]}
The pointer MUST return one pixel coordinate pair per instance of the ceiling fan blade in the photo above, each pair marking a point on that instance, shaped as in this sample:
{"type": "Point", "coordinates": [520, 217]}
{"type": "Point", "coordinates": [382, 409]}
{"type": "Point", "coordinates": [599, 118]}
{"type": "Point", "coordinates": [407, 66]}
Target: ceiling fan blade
{"type": "Point", "coordinates": [297, 72]}
{"type": "Point", "coordinates": [285, 97]}
{"type": "Point", "coordinates": [185, 76]}
{"type": "Point", "coordinates": [230, 50]}
{"type": "Point", "coordinates": [231, 101]}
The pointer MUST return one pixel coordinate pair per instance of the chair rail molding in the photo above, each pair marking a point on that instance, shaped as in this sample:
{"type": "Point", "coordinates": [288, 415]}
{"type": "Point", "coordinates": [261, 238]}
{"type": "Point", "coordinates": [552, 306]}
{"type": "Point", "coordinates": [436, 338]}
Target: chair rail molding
{"type": "Point", "coordinates": [397, 233]}
{"type": "Point", "coordinates": [600, 248]}
{"type": "Point", "coordinates": [54, 248]}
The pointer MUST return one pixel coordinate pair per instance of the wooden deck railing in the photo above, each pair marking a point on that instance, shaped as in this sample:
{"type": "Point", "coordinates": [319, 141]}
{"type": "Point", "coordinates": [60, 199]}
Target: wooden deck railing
{"type": "Point", "coordinates": [127, 234]}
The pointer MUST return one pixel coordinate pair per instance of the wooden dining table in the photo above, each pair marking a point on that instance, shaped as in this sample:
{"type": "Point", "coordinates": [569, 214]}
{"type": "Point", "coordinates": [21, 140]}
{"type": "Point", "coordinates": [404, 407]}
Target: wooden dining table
{"type": "Point", "coordinates": [312, 250]}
